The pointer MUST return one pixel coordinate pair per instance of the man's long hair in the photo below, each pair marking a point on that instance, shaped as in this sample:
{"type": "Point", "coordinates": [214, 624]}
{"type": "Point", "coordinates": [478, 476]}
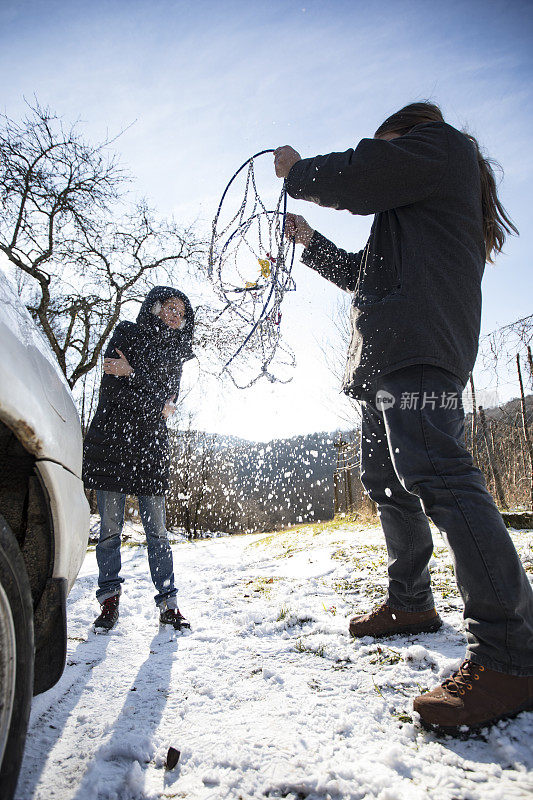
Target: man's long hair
{"type": "Point", "coordinates": [496, 222]}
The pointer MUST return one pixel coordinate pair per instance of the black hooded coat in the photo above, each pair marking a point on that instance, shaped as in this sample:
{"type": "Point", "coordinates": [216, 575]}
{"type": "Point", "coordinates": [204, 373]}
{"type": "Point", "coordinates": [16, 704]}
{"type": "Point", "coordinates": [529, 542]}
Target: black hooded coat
{"type": "Point", "coordinates": [126, 448]}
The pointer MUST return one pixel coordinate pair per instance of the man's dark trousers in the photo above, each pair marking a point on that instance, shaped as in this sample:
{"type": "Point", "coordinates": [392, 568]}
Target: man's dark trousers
{"type": "Point", "coordinates": [414, 465]}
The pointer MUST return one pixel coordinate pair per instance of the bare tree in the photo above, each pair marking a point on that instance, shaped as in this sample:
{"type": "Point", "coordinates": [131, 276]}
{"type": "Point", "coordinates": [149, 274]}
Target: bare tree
{"type": "Point", "coordinates": [68, 225]}
{"type": "Point", "coordinates": [192, 474]}
{"type": "Point", "coordinates": [493, 464]}
{"type": "Point", "coordinates": [474, 422]}
{"type": "Point", "coordinates": [500, 346]}
{"type": "Point", "coordinates": [334, 352]}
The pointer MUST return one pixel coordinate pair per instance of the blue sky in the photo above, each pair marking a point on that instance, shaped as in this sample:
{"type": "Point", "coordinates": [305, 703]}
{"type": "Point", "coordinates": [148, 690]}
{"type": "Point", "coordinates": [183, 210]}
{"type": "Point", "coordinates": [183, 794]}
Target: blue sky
{"type": "Point", "coordinates": [209, 83]}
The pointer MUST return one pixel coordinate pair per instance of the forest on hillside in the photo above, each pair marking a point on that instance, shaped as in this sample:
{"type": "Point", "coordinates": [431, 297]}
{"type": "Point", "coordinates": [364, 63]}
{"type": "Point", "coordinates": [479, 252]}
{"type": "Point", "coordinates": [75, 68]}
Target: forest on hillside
{"type": "Point", "coordinates": [229, 484]}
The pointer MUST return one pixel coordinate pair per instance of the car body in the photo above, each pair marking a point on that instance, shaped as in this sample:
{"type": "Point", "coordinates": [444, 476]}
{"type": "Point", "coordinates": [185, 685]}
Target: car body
{"type": "Point", "coordinates": [44, 519]}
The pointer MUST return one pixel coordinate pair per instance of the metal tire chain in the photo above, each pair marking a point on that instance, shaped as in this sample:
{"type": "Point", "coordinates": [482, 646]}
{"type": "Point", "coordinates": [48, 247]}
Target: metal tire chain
{"type": "Point", "coordinates": [277, 289]}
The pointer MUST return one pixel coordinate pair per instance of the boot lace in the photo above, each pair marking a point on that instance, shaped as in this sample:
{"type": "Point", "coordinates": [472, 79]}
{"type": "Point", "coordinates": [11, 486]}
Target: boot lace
{"type": "Point", "coordinates": [462, 680]}
{"type": "Point", "coordinates": [108, 607]}
{"type": "Point", "coordinates": [376, 612]}
{"type": "Point", "coordinates": [173, 613]}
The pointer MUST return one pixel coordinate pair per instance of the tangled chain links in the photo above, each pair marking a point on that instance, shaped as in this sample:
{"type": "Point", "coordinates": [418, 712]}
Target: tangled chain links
{"type": "Point", "coordinates": [250, 264]}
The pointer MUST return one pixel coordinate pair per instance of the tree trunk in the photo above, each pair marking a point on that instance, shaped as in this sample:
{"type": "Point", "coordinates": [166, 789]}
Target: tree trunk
{"type": "Point", "coordinates": [527, 438]}
{"type": "Point", "coordinates": [492, 462]}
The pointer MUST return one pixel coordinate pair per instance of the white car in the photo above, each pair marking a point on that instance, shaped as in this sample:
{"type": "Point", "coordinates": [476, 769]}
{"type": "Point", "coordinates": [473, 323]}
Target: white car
{"type": "Point", "coordinates": [44, 522]}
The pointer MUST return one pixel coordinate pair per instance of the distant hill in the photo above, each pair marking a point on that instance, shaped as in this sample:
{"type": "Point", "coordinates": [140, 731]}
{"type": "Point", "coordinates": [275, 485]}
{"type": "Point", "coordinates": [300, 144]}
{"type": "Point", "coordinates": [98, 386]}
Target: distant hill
{"type": "Point", "coordinates": [228, 483]}
{"type": "Point", "coordinates": [286, 481]}
{"type": "Point", "coordinates": [509, 412]}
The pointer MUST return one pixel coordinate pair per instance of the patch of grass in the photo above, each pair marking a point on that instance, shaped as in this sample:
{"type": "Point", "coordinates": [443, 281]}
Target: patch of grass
{"type": "Point", "coordinates": [403, 717]}
{"type": "Point", "coordinates": [444, 585]}
{"type": "Point", "coordinates": [290, 549]}
{"type": "Point", "coordinates": [302, 647]}
{"type": "Point", "coordinates": [292, 617]}
{"type": "Point", "coordinates": [346, 587]}
{"type": "Point", "coordinates": [283, 537]}
{"type": "Point", "coordinates": [363, 518]}
{"type": "Point", "coordinates": [261, 585]}
{"type": "Point", "coordinates": [350, 590]}
{"type": "Point", "coordinates": [264, 540]}
{"type": "Point", "coordinates": [289, 542]}
{"type": "Point", "coordinates": [342, 554]}
{"type": "Point", "coordinates": [342, 663]}
{"type": "Point", "coordinates": [303, 620]}
{"type": "Point", "coordinates": [385, 655]}
{"type": "Point", "coordinates": [359, 519]}
{"type": "Point", "coordinates": [282, 792]}
{"type": "Point", "coordinates": [369, 556]}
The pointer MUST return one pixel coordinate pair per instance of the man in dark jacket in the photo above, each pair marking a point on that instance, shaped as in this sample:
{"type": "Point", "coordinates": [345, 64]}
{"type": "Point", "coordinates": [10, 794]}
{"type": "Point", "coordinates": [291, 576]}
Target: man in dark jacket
{"type": "Point", "coordinates": [415, 321]}
{"type": "Point", "coordinates": [126, 449]}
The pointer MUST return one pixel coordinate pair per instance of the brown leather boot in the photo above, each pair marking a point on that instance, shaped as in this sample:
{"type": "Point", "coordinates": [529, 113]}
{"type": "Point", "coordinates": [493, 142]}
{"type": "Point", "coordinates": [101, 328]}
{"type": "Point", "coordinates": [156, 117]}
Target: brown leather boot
{"type": "Point", "coordinates": [387, 621]}
{"type": "Point", "coordinates": [475, 696]}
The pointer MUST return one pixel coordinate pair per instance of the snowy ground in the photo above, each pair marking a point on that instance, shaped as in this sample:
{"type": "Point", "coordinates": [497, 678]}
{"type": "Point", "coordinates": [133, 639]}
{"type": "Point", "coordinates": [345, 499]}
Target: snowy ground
{"type": "Point", "coordinates": [268, 696]}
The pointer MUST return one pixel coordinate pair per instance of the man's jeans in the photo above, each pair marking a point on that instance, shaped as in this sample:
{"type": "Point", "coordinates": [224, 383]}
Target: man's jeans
{"type": "Point", "coordinates": [152, 510]}
{"type": "Point", "coordinates": [414, 463]}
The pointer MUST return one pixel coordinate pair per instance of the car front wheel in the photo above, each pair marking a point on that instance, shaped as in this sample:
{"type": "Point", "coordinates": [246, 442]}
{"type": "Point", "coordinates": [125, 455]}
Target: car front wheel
{"type": "Point", "coordinates": [16, 658]}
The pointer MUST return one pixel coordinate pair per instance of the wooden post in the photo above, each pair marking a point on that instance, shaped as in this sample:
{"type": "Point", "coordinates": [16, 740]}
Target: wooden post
{"type": "Point", "coordinates": [349, 480]}
{"type": "Point", "coordinates": [336, 507]}
{"type": "Point", "coordinates": [527, 438]}
{"type": "Point", "coordinates": [336, 493]}
{"type": "Point", "coordinates": [345, 476]}
{"type": "Point", "coordinates": [492, 426]}
{"type": "Point", "coordinates": [492, 462]}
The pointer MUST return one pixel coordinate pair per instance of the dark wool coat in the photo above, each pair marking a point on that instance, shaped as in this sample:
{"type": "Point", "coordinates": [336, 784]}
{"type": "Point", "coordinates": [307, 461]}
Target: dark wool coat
{"type": "Point", "coordinates": [417, 285]}
{"type": "Point", "coordinates": [126, 447]}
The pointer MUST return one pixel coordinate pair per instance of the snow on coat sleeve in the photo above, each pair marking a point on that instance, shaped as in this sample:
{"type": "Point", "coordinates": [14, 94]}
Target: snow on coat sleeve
{"type": "Point", "coordinates": [377, 175]}
{"type": "Point", "coordinates": [333, 263]}
{"type": "Point", "coordinates": [145, 395]}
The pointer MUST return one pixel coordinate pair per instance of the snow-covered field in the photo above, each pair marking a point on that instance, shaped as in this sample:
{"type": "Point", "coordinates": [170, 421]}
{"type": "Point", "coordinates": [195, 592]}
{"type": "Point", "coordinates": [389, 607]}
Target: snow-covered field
{"type": "Point", "coordinates": [268, 696]}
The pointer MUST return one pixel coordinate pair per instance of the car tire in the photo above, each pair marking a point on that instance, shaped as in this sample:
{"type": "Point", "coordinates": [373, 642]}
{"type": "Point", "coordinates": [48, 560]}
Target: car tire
{"type": "Point", "coordinates": [16, 659]}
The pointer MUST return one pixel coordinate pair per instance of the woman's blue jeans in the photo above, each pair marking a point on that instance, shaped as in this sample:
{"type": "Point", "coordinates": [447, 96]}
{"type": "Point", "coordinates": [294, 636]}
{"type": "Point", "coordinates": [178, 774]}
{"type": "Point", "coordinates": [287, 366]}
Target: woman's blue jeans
{"type": "Point", "coordinates": [152, 511]}
{"type": "Point", "coordinates": [414, 465]}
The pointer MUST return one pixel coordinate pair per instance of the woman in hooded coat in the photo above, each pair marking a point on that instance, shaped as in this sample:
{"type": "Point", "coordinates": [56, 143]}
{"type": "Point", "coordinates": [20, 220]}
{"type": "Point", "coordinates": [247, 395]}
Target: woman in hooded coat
{"type": "Point", "coordinates": [126, 449]}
